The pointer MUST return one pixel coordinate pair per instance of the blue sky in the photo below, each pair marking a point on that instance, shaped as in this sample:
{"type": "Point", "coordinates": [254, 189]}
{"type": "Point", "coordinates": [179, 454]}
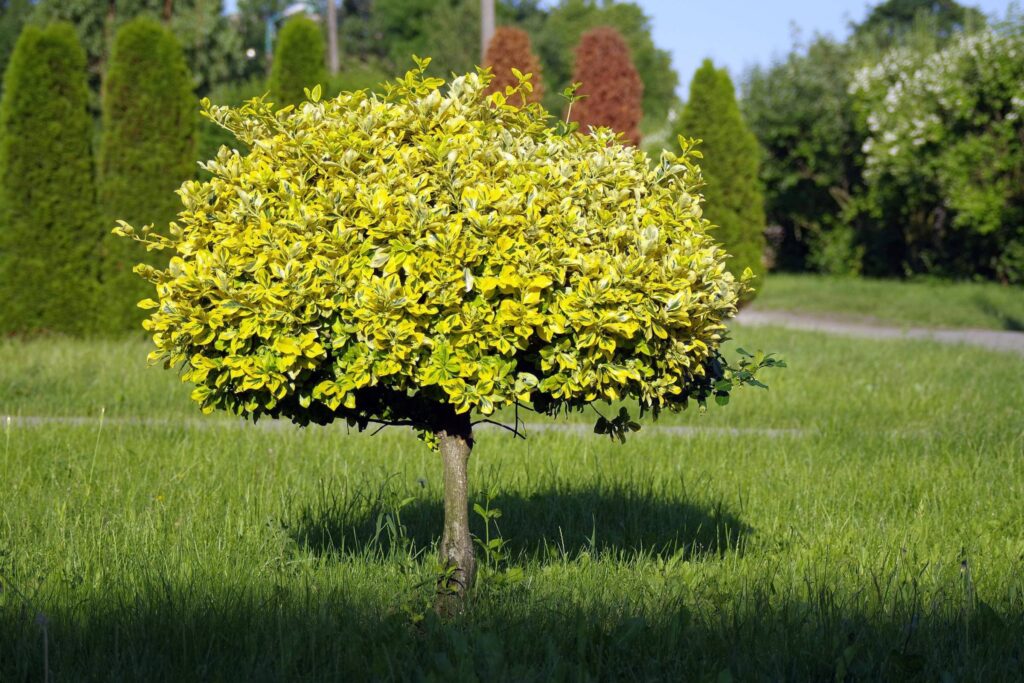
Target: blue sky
{"type": "Point", "coordinates": [740, 33]}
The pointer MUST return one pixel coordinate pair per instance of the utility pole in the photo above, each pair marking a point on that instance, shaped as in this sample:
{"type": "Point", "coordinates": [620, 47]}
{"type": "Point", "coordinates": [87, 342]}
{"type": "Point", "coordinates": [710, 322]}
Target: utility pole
{"type": "Point", "coordinates": [332, 37]}
{"type": "Point", "coordinates": [486, 26]}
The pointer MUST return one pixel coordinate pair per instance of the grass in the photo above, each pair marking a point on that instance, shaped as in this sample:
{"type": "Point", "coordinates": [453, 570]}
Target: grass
{"type": "Point", "coordinates": [928, 303]}
{"type": "Point", "coordinates": [876, 534]}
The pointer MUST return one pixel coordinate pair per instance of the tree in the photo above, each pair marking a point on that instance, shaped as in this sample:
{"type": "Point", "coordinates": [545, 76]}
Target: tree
{"type": "Point", "coordinates": [570, 19]}
{"type": "Point", "coordinates": [891, 21]}
{"type": "Point", "coordinates": [730, 164]}
{"type": "Point", "coordinates": [412, 260]}
{"type": "Point", "coordinates": [13, 14]}
{"type": "Point", "coordinates": [510, 49]}
{"type": "Point", "coordinates": [609, 84]}
{"type": "Point", "coordinates": [298, 61]}
{"type": "Point", "coordinates": [802, 114]}
{"type": "Point", "coordinates": [213, 47]}
{"type": "Point", "coordinates": [143, 158]}
{"type": "Point", "coordinates": [48, 231]}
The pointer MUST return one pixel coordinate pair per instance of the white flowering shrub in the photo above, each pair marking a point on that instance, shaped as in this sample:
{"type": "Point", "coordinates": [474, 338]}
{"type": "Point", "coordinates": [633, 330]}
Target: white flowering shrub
{"type": "Point", "coordinates": [944, 151]}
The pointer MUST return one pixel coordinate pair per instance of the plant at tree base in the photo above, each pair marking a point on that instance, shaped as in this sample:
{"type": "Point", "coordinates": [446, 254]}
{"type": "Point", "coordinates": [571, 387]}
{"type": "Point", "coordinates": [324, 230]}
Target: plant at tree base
{"type": "Point", "coordinates": [510, 49]}
{"type": "Point", "coordinates": [48, 228]}
{"type": "Point", "coordinates": [610, 87]}
{"type": "Point", "coordinates": [730, 165]}
{"type": "Point", "coordinates": [143, 158]}
{"type": "Point", "coordinates": [426, 258]}
{"type": "Point", "coordinates": [298, 61]}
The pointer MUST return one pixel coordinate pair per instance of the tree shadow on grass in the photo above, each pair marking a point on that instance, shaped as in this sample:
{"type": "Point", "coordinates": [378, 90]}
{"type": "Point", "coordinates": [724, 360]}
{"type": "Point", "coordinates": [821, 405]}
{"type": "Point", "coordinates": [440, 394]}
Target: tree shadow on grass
{"type": "Point", "coordinates": [537, 526]}
{"type": "Point", "coordinates": [268, 631]}
{"type": "Point", "coordinates": [1007, 322]}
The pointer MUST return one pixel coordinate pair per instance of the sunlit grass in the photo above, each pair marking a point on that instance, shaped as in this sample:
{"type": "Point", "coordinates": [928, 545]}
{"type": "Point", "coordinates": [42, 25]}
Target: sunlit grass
{"type": "Point", "coordinates": [924, 302]}
{"type": "Point", "coordinates": [880, 536]}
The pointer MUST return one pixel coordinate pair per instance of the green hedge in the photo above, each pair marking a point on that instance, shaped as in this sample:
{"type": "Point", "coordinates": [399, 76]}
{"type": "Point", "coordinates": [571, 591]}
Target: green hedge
{"type": "Point", "coordinates": [147, 150]}
{"type": "Point", "coordinates": [730, 165]}
{"type": "Point", "coordinates": [49, 230]}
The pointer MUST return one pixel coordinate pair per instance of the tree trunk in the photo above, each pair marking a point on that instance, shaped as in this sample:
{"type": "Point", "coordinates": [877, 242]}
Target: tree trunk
{"type": "Point", "coordinates": [455, 441]}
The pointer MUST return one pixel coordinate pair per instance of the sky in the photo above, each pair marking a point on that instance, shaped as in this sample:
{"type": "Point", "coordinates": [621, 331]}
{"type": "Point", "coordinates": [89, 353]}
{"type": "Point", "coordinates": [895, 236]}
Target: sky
{"type": "Point", "coordinates": [739, 34]}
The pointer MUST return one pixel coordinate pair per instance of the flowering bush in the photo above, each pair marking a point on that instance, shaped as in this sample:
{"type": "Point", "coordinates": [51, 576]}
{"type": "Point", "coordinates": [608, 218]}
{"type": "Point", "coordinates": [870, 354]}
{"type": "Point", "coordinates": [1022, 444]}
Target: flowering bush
{"type": "Point", "coordinates": [944, 153]}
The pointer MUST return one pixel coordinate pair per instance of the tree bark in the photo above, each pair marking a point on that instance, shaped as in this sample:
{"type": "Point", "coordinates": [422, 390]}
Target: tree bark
{"type": "Point", "coordinates": [455, 441]}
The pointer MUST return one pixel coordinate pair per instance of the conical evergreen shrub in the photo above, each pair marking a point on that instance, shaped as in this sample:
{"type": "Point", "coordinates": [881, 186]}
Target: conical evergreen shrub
{"type": "Point", "coordinates": [731, 158]}
{"type": "Point", "coordinates": [609, 83]}
{"type": "Point", "coordinates": [148, 149]}
{"type": "Point", "coordinates": [48, 222]}
{"type": "Point", "coordinates": [510, 49]}
{"type": "Point", "coordinates": [298, 61]}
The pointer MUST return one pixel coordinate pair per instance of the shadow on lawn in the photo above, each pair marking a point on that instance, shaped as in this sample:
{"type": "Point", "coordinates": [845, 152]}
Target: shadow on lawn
{"type": "Point", "coordinates": [1008, 322]}
{"type": "Point", "coordinates": [267, 631]}
{"type": "Point", "coordinates": [547, 524]}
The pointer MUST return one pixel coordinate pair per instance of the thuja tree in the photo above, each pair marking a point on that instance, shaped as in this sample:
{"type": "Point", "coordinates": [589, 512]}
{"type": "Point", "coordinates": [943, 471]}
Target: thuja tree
{"type": "Point", "coordinates": [143, 157]}
{"type": "Point", "coordinates": [731, 155]}
{"type": "Point", "coordinates": [609, 84]}
{"type": "Point", "coordinates": [48, 226]}
{"type": "Point", "coordinates": [298, 61]}
{"type": "Point", "coordinates": [510, 49]}
{"type": "Point", "coordinates": [426, 258]}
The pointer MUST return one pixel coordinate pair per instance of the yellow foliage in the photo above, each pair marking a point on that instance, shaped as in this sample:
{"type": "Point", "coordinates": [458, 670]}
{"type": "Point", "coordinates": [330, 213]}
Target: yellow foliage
{"type": "Point", "coordinates": [436, 246]}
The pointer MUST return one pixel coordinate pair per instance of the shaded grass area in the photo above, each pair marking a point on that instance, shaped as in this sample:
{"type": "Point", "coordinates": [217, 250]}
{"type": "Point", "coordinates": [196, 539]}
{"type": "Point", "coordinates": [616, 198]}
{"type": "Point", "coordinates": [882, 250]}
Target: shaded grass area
{"type": "Point", "coordinates": [924, 303]}
{"type": "Point", "coordinates": [882, 541]}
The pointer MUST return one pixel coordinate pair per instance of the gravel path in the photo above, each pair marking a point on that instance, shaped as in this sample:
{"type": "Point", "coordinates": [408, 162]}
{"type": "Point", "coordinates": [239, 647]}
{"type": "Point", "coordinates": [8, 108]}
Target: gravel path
{"type": "Point", "coordinates": [990, 339]}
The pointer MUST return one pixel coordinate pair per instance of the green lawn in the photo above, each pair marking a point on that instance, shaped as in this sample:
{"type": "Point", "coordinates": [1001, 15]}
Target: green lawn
{"type": "Point", "coordinates": [876, 534]}
{"type": "Point", "coordinates": [929, 303]}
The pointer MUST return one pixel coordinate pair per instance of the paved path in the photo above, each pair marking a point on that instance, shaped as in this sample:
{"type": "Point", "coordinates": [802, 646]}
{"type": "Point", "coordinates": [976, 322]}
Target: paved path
{"type": "Point", "coordinates": [990, 339]}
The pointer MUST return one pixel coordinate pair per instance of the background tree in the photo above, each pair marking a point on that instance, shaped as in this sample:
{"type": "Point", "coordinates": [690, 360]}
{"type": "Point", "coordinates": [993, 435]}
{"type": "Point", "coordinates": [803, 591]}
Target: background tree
{"type": "Point", "coordinates": [298, 61]}
{"type": "Point", "coordinates": [143, 157]}
{"type": "Point", "coordinates": [570, 19]}
{"type": "Point", "coordinates": [213, 47]}
{"type": "Point", "coordinates": [730, 166]}
{"type": "Point", "coordinates": [802, 114]}
{"type": "Point", "coordinates": [890, 22]}
{"type": "Point", "coordinates": [434, 291]}
{"type": "Point", "coordinates": [610, 85]}
{"type": "Point", "coordinates": [49, 229]}
{"type": "Point", "coordinates": [13, 14]}
{"type": "Point", "coordinates": [510, 49]}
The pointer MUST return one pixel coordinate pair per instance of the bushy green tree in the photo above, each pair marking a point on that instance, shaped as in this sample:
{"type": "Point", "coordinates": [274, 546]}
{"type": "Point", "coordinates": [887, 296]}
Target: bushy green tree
{"type": "Point", "coordinates": [801, 113]}
{"type": "Point", "coordinates": [436, 268]}
{"type": "Point", "coordinates": [890, 22]}
{"type": "Point", "coordinates": [147, 149]}
{"type": "Point", "coordinates": [730, 166]}
{"type": "Point", "coordinates": [298, 61]}
{"type": "Point", "coordinates": [48, 229]}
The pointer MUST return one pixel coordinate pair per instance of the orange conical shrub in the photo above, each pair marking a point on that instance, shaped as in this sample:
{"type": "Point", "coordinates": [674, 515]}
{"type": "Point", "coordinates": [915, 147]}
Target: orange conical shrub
{"type": "Point", "coordinates": [610, 84]}
{"type": "Point", "coordinates": [510, 48]}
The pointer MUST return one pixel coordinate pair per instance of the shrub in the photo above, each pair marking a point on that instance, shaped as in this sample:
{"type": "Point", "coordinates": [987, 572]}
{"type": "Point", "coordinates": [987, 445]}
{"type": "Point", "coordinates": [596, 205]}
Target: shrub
{"type": "Point", "coordinates": [143, 157]}
{"type": "Point", "coordinates": [49, 229]}
{"type": "Point", "coordinates": [510, 49]}
{"type": "Point", "coordinates": [298, 61]}
{"type": "Point", "coordinates": [730, 165]}
{"type": "Point", "coordinates": [944, 160]}
{"type": "Point", "coordinates": [610, 85]}
{"type": "Point", "coordinates": [421, 257]}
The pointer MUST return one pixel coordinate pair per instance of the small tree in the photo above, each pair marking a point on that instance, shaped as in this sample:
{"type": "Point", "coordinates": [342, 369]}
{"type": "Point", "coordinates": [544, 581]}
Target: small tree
{"type": "Point", "coordinates": [510, 49]}
{"type": "Point", "coordinates": [143, 157]}
{"type": "Point", "coordinates": [298, 61]}
{"type": "Point", "coordinates": [48, 231]}
{"type": "Point", "coordinates": [731, 156]}
{"type": "Point", "coordinates": [426, 259]}
{"type": "Point", "coordinates": [609, 84]}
